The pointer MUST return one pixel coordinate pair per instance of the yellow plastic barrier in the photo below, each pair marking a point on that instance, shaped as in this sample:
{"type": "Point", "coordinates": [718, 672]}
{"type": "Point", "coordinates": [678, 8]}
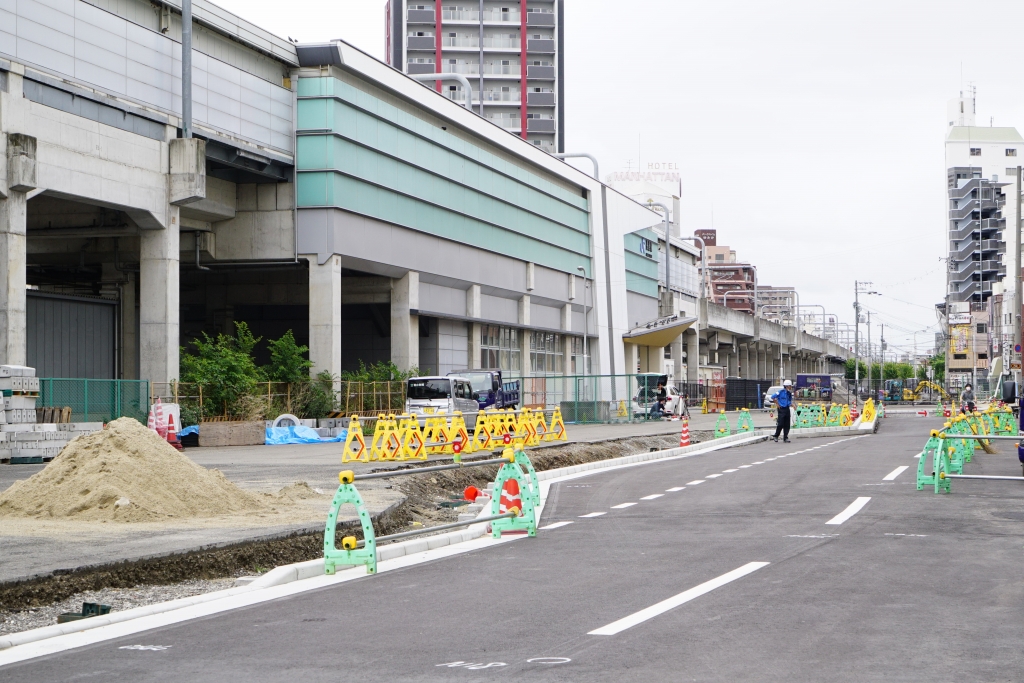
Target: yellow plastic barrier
{"type": "Point", "coordinates": [482, 437]}
{"type": "Point", "coordinates": [354, 436]}
{"type": "Point", "coordinates": [846, 419]}
{"type": "Point", "coordinates": [380, 434]}
{"type": "Point", "coordinates": [869, 413]}
{"type": "Point", "coordinates": [457, 431]}
{"type": "Point", "coordinates": [556, 428]}
{"type": "Point", "coordinates": [411, 438]}
{"type": "Point", "coordinates": [389, 444]}
{"type": "Point", "coordinates": [540, 428]}
{"type": "Point", "coordinates": [435, 431]}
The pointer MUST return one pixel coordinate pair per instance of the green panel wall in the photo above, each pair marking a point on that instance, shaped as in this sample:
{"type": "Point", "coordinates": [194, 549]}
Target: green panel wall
{"type": "Point", "coordinates": [641, 270]}
{"type": "Point", "coordinates": [364, 155]}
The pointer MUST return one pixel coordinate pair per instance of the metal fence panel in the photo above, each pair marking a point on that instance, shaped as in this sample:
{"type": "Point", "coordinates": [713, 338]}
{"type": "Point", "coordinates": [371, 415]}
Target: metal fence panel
{"type": "Point", "coordinates": [96, 400]}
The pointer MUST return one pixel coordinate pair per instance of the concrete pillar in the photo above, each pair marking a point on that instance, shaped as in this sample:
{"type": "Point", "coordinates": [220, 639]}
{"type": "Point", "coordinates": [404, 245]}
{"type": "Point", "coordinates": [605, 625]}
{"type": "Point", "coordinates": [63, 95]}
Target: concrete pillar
{"type": "Point", "coordinates": [692, 355]}
{"type": "Point", "coordinates": [524, 309]}
{"type": "Point", "coordinates": [17, 177]}
{"type": "Point", "coordinates": [12, 278]}
{"type": "Point", "coordinates": [676, 367]}
{"type": "Point", "coordinates": [130, 328]}
{"type": "Point", "coordinates": [631, 352]}
{"type": "Point", "coordinates": [405, 325]}
{"type": "Point", "coordinates": [159, 335]}
{"type": "Point", "coordinates": [325, 315]}
{"type": "Point", "coordinates": [473, 343]}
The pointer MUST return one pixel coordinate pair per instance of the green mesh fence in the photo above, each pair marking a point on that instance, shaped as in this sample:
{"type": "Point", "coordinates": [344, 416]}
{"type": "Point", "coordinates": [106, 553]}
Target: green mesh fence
{"type": "Point", "coordinates": [96, 400]}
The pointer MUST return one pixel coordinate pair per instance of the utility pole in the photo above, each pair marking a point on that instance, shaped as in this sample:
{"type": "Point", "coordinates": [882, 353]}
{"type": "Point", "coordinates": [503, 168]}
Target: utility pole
{"type": "Point", "coordinates": [856, 338]}
{"type": "Point", "coordinates": [186, 69]}
{"type": "Point", "coordinates": [869, 352]}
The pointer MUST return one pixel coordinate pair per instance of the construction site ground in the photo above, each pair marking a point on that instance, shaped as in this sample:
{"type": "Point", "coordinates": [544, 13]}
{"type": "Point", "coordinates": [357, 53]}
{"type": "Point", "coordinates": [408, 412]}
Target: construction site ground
{"type": "Point", "coordinates": [48, 561]}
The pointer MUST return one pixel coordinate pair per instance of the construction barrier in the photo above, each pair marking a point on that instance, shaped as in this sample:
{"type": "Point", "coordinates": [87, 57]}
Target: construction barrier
{"type": "Point", "coordinates": [947, 452]}
{"type": "Point", "coordinates": [744, 423]}
{"type": "Point", "coordinates": [722, 425]}
{"type": "Point", "coordinates": [869, 414]}
{"type": "Point", "coordinates": [516, 482]}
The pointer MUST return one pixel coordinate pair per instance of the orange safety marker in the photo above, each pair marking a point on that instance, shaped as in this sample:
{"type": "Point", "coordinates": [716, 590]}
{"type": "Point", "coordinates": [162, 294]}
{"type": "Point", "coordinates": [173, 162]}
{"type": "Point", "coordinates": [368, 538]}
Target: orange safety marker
{"type": "Point", "coordinates": [684, 435]}
{"type": "Point", "coordinates": [510, 497]}
{"type": "Point", "coordinates": [172, 433]}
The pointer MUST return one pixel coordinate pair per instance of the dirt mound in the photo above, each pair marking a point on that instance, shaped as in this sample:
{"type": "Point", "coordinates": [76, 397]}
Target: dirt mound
{"type": "Point", "coordinates": [125, 473]}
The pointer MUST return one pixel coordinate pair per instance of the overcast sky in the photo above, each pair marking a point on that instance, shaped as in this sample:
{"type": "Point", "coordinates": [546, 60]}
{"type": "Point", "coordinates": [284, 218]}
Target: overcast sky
{"type": "Point", "coordinates": [810, 133]}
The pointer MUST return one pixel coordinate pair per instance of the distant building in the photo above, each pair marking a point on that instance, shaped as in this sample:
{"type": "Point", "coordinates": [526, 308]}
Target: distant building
{"type": "Point", "coordinates": [730, 283]}
{"type": "Point", "coordinates": [981, 170]}
{"type": "Point", "coordinates": [510, 51]}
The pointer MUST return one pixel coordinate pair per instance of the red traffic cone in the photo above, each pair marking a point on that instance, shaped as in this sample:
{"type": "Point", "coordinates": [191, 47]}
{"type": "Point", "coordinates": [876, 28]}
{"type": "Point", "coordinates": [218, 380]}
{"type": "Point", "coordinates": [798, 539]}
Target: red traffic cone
{"type": "Point", "coordinates": [471, 493]}
{"type": "Point", "coordinates": [684, 435]}
{"type": "Point", "coordinates": [172, 433]}
{"type": "Point", "coordinates": [510, 497]}
{"type": "Point", "coordinates": [151, 421]}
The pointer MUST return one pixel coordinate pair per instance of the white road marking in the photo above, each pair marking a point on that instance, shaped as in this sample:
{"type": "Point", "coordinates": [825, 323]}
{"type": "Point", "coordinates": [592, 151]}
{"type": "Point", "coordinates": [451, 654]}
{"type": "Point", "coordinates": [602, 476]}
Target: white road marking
{"type": "Point", "coordinates": [743, 467]}
{"type": "Point", "coordinates": [676, 600]}
{"type": "Point", "coordinates": [811, 535]}
{"type": "Point", "coordinates": [850, 511]}
{"type": "Point", "coordinates": [695, 482]}
{"type": "Point", "coordinates": [620, 506]}
{"type": "Point", "coordinates": [910, 535]}
{"type": "Point", "coordinates": [653, 496]}
{"type": "Point", "coordinates": [896, 472]}
{"type": "Point", "coordinates": [728, 471]}
{"type": "Point", "coordinates": [592, 514]}
{"type": "Point", "coordinates": [783, 456]}
{"type": "Point", "coordinates": [712, 476]}
{"type": "Point", "coordinates": [675, 488]}
{"type": "Point", "coordinates": [759, 462]}
{"type": "Point", "coordinates": [768, 459]}
{"type": "Point", "coordinates": [554, 525]}
{"type": "Point", "coordinates": [918, 455]}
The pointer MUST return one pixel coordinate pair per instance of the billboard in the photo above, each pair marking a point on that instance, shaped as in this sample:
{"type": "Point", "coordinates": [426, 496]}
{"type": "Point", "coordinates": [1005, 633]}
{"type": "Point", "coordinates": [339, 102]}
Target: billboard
{"type": "Point", "coordinates": [960, 338]}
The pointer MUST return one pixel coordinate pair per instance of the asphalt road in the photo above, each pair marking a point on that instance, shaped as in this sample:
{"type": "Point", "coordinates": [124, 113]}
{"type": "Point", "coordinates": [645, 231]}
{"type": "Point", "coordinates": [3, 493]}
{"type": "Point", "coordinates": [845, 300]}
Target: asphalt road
{"type": "Point", "coordinates": [912, 586]}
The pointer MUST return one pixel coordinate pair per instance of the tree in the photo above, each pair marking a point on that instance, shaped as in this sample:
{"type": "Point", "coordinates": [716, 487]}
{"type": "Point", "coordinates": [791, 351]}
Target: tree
{"type": "Point", "coordinates": [938, 364]}
{"type": "Point", "coordinates": [288, 362]}
{"type": "Point", "coordinates": [224, 367]}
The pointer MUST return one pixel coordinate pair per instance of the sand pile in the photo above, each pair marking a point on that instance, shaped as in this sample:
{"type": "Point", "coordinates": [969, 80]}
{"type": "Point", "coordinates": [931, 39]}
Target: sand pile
{"type": "Point", "coordinates": [125, 473]}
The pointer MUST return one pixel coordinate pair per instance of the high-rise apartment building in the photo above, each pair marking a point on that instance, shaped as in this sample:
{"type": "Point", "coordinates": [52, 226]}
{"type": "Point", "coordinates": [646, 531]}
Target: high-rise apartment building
{"type": "Point", "coordinates": [510, 51]}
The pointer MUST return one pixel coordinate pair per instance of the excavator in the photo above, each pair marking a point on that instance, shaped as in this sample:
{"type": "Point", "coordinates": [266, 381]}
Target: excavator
{"type": "Point", "coordinates": [914, 395]}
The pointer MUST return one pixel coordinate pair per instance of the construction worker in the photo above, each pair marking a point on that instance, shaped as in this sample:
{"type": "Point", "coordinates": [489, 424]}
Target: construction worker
{"type": "Point", "coordinates": [783, 401]}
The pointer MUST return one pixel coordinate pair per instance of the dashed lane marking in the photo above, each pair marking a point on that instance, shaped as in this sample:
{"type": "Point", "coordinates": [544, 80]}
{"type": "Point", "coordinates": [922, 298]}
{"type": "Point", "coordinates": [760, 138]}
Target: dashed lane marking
{"type": "Point", "coordinates": [852, 509]}
{"type": "Point", "coordinates": [676, 600]}
{"type": "Point", "coordinates": [743, 467]}
{"type": "Point", "coordinates": [622, 505]}
{"type": "Point", "coordinates": [695, 482]}
{"type": "Point", "coordinates": [653, 496]}
{"type": "Point", "coordinates": [896, 472]}
{"type": "Point", "coordinates": [728, 471]}
{"type": "Point", "coordinates": [592, 514]}
{"type": "Point", "coordinates": [675, 488]}
{"type": "Point", "coordinates": [554, 525]}
{"type": "Point", "coordinates": [712, 476]}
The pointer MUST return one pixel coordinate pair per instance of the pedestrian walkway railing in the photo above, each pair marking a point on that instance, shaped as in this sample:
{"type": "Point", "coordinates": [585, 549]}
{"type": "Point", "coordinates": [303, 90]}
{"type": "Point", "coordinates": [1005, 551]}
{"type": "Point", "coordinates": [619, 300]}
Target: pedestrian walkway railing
{"type": "Point", "coordinates": [516, 496]}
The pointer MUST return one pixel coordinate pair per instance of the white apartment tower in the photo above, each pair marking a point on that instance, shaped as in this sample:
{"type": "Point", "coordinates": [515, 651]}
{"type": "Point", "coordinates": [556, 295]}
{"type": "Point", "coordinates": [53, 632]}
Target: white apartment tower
{"type": "Point", "coordinates": [509, 50]}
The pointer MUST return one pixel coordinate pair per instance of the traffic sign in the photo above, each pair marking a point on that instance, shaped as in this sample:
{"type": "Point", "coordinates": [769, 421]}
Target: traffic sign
{"type": "Point", "coordinates": [1016, 348]}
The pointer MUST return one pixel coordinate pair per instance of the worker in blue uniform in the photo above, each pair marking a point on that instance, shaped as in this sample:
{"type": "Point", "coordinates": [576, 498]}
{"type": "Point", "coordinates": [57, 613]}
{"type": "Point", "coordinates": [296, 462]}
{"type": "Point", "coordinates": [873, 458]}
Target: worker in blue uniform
{"type": "Point", "coordinates": [784, 402]}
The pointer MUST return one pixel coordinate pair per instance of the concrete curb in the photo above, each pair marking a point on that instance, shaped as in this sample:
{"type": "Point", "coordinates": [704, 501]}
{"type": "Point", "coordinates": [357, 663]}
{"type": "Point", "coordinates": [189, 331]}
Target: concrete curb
{"type": "Point", "coordinates": [314, 568]}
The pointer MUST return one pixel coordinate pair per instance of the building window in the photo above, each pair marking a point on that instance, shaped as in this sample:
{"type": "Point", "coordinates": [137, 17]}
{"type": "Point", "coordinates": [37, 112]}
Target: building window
{"type": "Point", "coordinates": [982, 356]}
{"type": "Point", "coordinates": [719, 257]}
{"type": "Point", "coordinates": [959, 356]}
{"type": "Point", "coordinates": [546, 356]}
{"type": "Point", "coordinates": [1012, 172]}
{"type": "Point", "coordinates": [975, 151]}
{"type": "Point", "coordinates": [499, 349]}
{"type": "Point", "coordinates": [1011, 152]}
{"type": "Point", "coordinates": [578, 363]}
{"type": "Point", "coordinates": [982, 328]}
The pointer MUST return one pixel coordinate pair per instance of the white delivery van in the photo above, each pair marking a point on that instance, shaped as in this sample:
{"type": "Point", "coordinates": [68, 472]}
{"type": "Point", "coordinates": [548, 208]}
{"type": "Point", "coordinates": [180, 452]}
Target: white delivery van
{"type": "Point", "coordinates": [433, 395]}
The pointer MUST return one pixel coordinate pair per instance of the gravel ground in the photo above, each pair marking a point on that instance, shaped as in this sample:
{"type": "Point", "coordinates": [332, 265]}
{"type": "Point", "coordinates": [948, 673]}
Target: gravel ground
{"type": "Point", "coordinates": [119, 600]}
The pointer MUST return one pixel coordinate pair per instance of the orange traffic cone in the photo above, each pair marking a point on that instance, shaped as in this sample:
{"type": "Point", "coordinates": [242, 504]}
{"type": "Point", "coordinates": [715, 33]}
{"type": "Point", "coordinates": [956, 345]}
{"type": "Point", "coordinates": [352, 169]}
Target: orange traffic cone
{"type": "Point", "coordinates": [510, 497]}
{"type": "Point", "coordinates": [151, 421]}
{"type": "Point", "coordinates": [684, 436]}
{"type": "Point", "coordinates": [172, 433]}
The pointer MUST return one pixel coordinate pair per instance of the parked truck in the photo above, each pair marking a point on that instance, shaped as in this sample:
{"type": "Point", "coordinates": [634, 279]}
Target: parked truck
{"type": "Point", "coordinates": [813, 387]}
{"type": "Point", "coordinates": [489, 390]}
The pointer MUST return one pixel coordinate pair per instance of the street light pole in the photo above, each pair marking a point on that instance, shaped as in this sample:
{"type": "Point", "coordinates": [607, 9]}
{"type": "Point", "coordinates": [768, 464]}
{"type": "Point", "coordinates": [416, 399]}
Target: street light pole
{"type": "Point", "coordinates": [586, 321]}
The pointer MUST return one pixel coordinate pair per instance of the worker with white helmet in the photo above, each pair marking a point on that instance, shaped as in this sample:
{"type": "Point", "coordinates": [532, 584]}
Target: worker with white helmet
{"type": "Point", "coordinates": [784, 401]}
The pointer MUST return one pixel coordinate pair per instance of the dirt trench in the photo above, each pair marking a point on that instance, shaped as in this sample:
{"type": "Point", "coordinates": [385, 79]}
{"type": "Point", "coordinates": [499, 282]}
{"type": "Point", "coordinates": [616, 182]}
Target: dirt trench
{"type": "Point", "coordinates": [424, 494]}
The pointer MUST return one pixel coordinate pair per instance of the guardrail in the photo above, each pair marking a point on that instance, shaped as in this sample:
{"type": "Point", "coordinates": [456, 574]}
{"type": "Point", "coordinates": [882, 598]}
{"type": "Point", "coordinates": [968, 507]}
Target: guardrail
{"type": "Point", "coordinates": [516, 482]}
